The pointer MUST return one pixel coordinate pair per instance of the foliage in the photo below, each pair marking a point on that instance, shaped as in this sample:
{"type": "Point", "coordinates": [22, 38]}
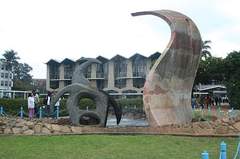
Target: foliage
{"type": "Point", "coordinates": [13, 106]}
{"type": "Point", "coordinates": [22, 78]}
{"type": "Point", "coordinates": [112, 147]}
{"type": "Point", "coordinates": [130, 103]}
{"type": "Point", "coordinates": [21, 71]}
{"type": "Point", "coordinates": [232, 78]}
{"type": "Point", "coordinates": [205, 53]}
{"type": "Point", "coordinates": [210, 69]}
{"type": "Point", "coordinates": [11, 59]}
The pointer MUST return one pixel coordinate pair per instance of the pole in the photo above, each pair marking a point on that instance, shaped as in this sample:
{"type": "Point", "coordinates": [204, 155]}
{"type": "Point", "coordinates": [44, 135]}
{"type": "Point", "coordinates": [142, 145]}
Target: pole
{"type": "Point", "coordinates": [40, 113]}
{"type": "Point", "coordinates": [57, 113]}
{"type": "Point", "coordinates": [1, 110]}
{"type": "Point", "coordinates": [205, 155]}
{"type": "Point", "coordinates": [21, 112]}
{"type": "Point", "coordinates": [223, 150]}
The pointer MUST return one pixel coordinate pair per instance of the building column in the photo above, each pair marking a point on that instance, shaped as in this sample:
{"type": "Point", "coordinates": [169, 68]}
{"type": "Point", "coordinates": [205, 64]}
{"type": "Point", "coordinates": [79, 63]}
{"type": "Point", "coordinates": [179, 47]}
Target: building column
{"type": "Point", "coordinates": [61, 76]}
{"type": "Point", "coordinates": [129, 74]}
{"type": "Point", "coordinates": [111, 75]}
{"type": "Point", "coordinates": [48, 79]}
{"type": "Point", "coordinates": [93, 75]}
{"type": "Point", "coordinates": [148, 66]}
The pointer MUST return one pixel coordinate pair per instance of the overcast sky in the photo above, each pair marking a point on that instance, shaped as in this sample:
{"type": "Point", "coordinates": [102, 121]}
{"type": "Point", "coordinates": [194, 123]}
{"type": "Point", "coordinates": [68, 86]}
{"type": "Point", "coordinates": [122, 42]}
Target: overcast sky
{"type": "Point", "coordinates": [40, 30]}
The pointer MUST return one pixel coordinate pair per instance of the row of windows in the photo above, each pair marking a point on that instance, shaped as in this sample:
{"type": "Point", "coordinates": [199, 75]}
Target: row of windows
{"type": "Point", "coordinates": [120, 70]}
{"type": "Point", "coordinates": [6, 83]}
{"type": "Point", "coordinates": [5, 75]}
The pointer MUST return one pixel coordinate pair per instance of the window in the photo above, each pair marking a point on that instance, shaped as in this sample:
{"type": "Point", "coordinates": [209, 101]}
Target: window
{"type": "Point", "coordinates": [68, 71]}
{"type": "Point", "coordinates": [2, 83]}
{"type": "Point", "coordinates": [2, 67]}
{"type": "Point", "coordinates": [6, 83]}
{"type": "Point", "coordinates": [2, 75]}
{"type": "Point", "coordinates": [54, 71]}
{"type": "Point", "coordinates": [6, 75]}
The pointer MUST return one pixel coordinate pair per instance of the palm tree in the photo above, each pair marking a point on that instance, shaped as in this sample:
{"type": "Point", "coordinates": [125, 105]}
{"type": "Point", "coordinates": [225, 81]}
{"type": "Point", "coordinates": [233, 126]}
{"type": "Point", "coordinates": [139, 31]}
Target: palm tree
{"type": "Point", "coordinates": [11, 61]}
{"type": "Point", "coordinates": [205, 49]}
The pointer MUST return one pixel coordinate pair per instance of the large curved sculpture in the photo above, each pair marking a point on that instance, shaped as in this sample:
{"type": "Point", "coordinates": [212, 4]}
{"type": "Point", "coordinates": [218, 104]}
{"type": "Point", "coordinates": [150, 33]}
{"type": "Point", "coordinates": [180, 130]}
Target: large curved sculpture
{"type": "Point", "coordinates": [168, 87]}
{"type": "Point", "coordinates": [81, 88]}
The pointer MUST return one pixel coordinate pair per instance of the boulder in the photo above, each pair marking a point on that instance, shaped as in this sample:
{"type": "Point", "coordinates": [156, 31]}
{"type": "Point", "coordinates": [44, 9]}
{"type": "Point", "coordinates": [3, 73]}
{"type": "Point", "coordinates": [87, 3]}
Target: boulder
{"type": "Point", "coordinates": [65, 129]}
{"type": "Point", "coordinates": [7, 131]}
{"type": "Point", "coordinates": [16, 130]}
{"type": "Point", "coordinates": [37, 128]}
{"type": "Point", "coordinates": [77, 130]}
{"type": "Point", "coordinates": [45, 131]}
{"type": "Point", "coordinates": [28, 132]}
{"type": "Point", "coordinates": [56, 128]}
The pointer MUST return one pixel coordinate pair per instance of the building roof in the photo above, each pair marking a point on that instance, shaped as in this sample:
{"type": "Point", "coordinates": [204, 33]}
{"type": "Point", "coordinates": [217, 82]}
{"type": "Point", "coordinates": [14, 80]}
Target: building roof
{"type": "Point", "coordinates": [102, 59]}
{"type": "Point", "coordinates": [118, 57]}
{"type": "Point", "coordinates": [155, 55]}
{"type": "Point", "coordinates": [67, 61]}
{"type": "Point", "coordinates": [208, 87]}
{"type": "Point", "coordinates": [52, 61]}
{"type": "Point", "coordinates": [137, 56]}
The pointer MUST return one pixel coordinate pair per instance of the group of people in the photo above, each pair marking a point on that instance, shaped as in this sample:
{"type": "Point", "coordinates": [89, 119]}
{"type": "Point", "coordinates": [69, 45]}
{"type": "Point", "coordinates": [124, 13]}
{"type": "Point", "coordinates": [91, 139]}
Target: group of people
{"type": "Point", "coordinates": [206, 101]}
{"type": "Point", "coordinates": [34, 103]}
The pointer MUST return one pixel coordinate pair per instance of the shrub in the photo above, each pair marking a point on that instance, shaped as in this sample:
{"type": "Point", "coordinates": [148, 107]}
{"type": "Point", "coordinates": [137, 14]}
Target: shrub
{"type": "Point", "coordinates": [13, 106]}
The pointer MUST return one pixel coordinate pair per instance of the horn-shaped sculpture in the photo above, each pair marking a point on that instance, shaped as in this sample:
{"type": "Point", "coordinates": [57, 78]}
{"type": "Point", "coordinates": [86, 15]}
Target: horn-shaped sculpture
{"type": "Point", "coordinates": [168, 87]}
{"type": "Point", "coordinates": [81, 88]}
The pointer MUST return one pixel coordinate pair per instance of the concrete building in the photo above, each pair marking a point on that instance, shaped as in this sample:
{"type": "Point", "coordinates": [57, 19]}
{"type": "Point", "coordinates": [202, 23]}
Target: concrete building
{"type": "Point", "coordinates": [6, 77]}
{"type": "Point", "coordinates": [118, 76]}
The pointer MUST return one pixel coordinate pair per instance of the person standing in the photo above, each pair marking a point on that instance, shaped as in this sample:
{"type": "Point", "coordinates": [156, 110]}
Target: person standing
{"type": "Point", "coordinates": [31, 105]}
{"type": "Point", "coordinates": [48, 103]}
{"type": "Point", "coordinates": [36, 100]}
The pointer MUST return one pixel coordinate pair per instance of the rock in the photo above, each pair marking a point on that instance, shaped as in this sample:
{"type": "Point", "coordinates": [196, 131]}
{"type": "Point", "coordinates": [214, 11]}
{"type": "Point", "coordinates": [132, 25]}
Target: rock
{"type": "Point", "coordinates": [48, 126]}
{"type": "Point", "coordinates": [19, 124]}
{"type": "Point", "coordinates": [77, 130]}
{"type": "Point", "coordinates": [237, 126]}
{"type": "Point", "coordinates": [65, 129]}
{"type": "Point", "coordinates": [225, 120]}
{"type": "Point", "coordinates": [205, 125]}
{"type": "Point", "coordinates": [29, 124]}
{"type": "Point", "coordinates": [16, 130]}
{"type": "Point", "coordinates": [221, 129]}
{"type": "Point", "coordinates": [2, 123]}
{"type": "Point", "coordinates": [45, 131]}
{"type": "Point", "coordinates": [56, 128]}
{"type": "Point", "coordinates": [37, 128]}
{"type": "Point", "coordinates": [24, 128]}
{"type": "Point", "coordinates": [7, 131]}
{"type": "Point", "coordinates": [28, 132]}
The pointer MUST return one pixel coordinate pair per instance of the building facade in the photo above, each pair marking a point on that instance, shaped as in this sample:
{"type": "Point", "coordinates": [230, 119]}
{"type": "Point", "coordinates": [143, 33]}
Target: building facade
{"type": "Point", "coordinates": [6, 76]}
{"type": "Point", "coordinates": [117, 76]}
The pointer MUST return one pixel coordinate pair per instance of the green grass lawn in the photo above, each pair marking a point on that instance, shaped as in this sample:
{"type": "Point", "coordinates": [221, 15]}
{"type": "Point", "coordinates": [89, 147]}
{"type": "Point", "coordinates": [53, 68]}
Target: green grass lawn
{"type": "Point", "coordinates": [111, 147]}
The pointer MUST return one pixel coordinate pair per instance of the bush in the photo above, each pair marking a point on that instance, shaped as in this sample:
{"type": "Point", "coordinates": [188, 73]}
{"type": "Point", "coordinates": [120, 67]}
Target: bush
{"type": "Point", "coordinates": [130, 103]}
{"type": "Point", "coordinates": [13, 106]}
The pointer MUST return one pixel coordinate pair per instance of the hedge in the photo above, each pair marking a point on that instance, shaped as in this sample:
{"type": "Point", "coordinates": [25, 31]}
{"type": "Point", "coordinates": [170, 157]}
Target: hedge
{"type": "Point", "coordinates": [13, 106]}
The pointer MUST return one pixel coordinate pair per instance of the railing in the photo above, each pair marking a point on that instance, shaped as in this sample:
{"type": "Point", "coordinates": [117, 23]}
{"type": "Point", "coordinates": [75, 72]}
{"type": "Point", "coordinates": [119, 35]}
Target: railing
{"type": "Point", "coordinates": [223, 152]}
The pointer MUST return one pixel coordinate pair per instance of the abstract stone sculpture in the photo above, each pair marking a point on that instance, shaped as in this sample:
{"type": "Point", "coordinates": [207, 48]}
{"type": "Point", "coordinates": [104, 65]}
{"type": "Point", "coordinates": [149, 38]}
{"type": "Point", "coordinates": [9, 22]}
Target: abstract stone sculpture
{"type": "Point", "coordinates": [167, 90]}
{"type": "Point", "coordinates": [80, 88]}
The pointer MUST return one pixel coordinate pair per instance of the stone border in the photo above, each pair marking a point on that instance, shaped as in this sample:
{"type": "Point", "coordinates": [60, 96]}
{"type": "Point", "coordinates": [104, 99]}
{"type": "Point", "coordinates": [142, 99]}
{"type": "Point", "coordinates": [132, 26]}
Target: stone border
{"type": "Point", "coordinates": [218, 128]}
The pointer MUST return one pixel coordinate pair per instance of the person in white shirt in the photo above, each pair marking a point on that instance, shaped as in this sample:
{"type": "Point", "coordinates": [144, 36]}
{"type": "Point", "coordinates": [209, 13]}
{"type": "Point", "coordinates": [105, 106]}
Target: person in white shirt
{"type": "Point", "coordinates": [48, 103]}
{"type": "Point", "coordinates": [31, 105]}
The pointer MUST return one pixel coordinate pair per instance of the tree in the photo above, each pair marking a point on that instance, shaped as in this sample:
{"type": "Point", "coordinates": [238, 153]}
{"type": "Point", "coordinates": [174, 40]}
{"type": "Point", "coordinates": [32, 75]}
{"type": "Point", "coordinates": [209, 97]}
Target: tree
{"type": "Point", "coordinates": [210, 69]}
{"type": "Point", "coordinates": [21, 71]}
{"type": "Point", "coordinates": [205, 53]}
{"type": "Point", "coordinates": [22, 78]}
{"type": "Point", "coordinates": [232, 78]}
{"type": "Point", "coordinates": [11, 61]}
